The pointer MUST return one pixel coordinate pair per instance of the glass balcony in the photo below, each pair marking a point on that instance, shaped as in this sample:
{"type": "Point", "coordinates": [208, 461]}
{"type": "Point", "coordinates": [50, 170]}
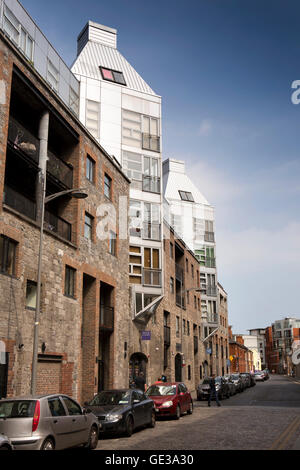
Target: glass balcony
{"type": "Point", "coordinates": [152, 277]}
{"type": "Point", "coordinates": [151, 184]}
{"type": "Point", "coordinates": [106, 318]}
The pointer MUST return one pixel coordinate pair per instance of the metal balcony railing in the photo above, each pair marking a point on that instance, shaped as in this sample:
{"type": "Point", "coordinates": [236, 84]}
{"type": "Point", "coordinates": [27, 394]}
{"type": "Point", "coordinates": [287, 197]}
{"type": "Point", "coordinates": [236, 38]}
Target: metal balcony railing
{"type": "Point", "coordinates": [151, 231]}
{"type": "Point", "coordinates": [60, 170]}
{"type": "Point", "coordinates": [151, 184]}
{"type": "Point", "coordinates": [209, 236]}
{"type": "Point", "coordinates": [58, 225]}
{"type": "Point", "coordinates": [152, 277]}
{"type": "Point", "coordinates": [151, 142]}
{"type": "Point", "coordinates": [23, 140]}
{"type": "Point", "coordinates": [20, 203]}
{"type": "Point", "coordinates": [106, 318]}
{"type": "Point", "coordinates": [167, 335]}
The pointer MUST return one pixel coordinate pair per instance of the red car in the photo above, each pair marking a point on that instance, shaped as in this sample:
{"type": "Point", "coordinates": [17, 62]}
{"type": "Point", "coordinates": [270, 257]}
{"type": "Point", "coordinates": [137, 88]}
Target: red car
{"type": "Point", "coordinates": [171, 399]}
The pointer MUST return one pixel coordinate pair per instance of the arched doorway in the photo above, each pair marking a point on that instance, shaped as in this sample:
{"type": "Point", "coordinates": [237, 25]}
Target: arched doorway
{"type": "Point", "coordinates": [178, 368]}
{"type": "Point", "coordinates": [137, 363]}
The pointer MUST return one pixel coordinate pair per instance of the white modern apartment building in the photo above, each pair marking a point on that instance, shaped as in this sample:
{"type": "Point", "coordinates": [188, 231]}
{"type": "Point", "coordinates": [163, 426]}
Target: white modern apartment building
{"type": "Point", "coordinates": [259, 342]}
{"type": "Point", "coordinates": [255, 344]}
{"type": "Point", "coordinates": [124, 114]}
{"type": "Point", "coordinates": [192, 217]}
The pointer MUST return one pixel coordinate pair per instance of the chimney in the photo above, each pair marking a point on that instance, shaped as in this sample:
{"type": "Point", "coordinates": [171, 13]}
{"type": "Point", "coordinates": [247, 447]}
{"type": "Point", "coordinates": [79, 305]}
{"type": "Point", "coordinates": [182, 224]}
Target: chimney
{"type": "Point", "coordinates": [177, 166]}
{"type": "Point", "coordinates": [97, 33]}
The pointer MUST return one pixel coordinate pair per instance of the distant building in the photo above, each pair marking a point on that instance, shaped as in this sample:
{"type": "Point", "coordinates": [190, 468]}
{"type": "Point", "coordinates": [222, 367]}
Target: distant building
{"type": "Point", "coordinates": [240, 356]}
{"type": "Point", "coordinates": [284, 333]}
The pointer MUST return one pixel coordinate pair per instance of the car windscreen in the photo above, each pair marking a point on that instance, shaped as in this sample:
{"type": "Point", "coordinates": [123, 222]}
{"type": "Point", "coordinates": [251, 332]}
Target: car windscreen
{"type": "Point", "coordinates": [161, 390]}
{"type": "Point", "coordinates": [235, 377]}
{"type": "Point", "coordinates": [17, 409]}
{"type": "Point", "coordinates": [218, 380]}
{"type": "Point", "coordinates": [114, 397]}
{"type": "Point", "coordinates": [205, 381]}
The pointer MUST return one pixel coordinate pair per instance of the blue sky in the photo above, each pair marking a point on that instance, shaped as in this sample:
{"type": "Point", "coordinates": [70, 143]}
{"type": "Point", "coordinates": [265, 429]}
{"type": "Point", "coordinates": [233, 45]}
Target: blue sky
{"type": "Point", "coordinates": [224, 70]}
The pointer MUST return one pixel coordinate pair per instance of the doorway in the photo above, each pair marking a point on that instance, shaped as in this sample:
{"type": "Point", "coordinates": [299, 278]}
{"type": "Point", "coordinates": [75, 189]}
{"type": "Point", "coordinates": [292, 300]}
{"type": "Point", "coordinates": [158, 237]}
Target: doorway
{"type": "Point", "coordinates": [178, 368]}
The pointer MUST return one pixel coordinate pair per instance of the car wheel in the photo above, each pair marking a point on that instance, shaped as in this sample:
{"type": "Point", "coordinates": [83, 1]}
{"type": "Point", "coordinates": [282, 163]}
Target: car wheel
{"type": "Point", "coordinates": [129, 426]}
{"type": "Point", "coordinates": [93, 439]}
{"type": "Point", "coordinates": [191, 408]}
{"type": "Point", "coordinates": [48, 444]}
{"type": "Point", "coordinates": [178, 412]}
{"type": "Point", "coordinates": [153, 420]}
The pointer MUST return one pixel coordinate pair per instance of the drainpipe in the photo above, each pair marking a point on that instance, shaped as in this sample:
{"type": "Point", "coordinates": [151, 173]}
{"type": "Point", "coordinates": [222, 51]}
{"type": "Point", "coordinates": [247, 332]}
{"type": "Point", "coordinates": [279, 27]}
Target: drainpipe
{"type": "Point", "coordinates": [43, 157]}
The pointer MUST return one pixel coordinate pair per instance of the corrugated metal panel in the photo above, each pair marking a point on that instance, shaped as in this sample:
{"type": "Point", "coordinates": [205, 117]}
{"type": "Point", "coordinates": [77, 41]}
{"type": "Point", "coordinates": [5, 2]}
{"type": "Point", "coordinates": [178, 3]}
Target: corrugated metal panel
{"type": "Point", "coordinates": [104, 37]}
{"type": "Point", "coordinates": [95, 55]}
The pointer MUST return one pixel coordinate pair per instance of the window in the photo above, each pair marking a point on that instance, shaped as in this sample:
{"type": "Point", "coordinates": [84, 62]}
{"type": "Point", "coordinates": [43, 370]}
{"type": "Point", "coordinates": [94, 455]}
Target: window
{"type": "Point", "coordinates": [184, 326]}
{"type": "Point", "coordinates": [70, 276]}
{"type": "Point", "coordinates": [195, 302]}
{"type": "Point", "coordinates": [52, 75]}
{"type": "Point", "coordinates": [56, 407]}
{"type": "Point", "coordinates": [112, 243]}
{"type": "Point", "coordinates": [189, 373]}
{"type": "Point", "coordinates": [151, 175]}
{"type": "Point", "coordinates": [176, 223]}
{"type": "Point", "coordinates": [92, 117]}
{"type": "Point", "coordinates": [107, 186]}
{"type": "Point", "coordinates": [186, 196]}
{"type": "Point", "coordinates": [74, 101]}
{"type": "Point", "coordinates": [88, 226]}
{"type": "Point", "coordinates": [135, 265]}
{"type": "Point", "coordinates": [151, 133]}
{"type": "Point", "coordinates": [187, 265]}
{"type": "Point", "coordinates": [113, 76]}
{"type": "Point", "coordinates": [192, 268]}
{"type": "Point", "coordinates": [31, 288]}
{"type": "Point", "coordinates": [73, 408]}
{"type": "Point", "coordinates": [90, 169]}
{"type": "Point", "coordinates": [171, 250]}
{"type": "Point", "coordinates": [171, 285]}
{"type": "Point", "coordinates": [188, 328]}
{"type": "Point", "coordinates": [177, 327]}
{"type": "Point", "coordinates": [135, 218]}
{"type": "Point", "coordinates": [132, 128]}
{"type": "Point", "coordinates": [17, 33]}
{"type": "Point", "coordinates": [7, 255]}
{"type": "Point", "coordinates": [188, 297]}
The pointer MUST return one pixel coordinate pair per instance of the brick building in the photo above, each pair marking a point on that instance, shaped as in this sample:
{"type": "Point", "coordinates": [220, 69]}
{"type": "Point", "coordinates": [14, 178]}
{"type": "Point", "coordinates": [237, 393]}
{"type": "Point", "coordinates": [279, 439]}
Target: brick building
{"type": "Point", "coordinates": [240, 356]}
{"type": "Point", "coordinates": [85, 321]}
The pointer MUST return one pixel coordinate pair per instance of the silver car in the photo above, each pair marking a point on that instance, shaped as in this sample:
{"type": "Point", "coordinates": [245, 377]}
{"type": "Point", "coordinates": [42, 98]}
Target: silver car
{"type": "Point", "coordinates": [47, 422]}
{"type": "Point", "coordinates": [5, 443]}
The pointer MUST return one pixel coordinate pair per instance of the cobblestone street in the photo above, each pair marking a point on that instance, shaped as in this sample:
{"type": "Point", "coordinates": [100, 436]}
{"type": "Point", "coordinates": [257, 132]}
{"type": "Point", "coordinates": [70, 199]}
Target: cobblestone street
{"type": "Point", "coordinates": [263, 417]}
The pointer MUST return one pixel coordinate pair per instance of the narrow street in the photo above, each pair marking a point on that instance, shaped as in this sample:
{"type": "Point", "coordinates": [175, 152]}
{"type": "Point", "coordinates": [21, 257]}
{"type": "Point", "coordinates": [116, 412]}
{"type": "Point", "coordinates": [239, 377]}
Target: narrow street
{"type": "Point", "coordinates": [264, 417]}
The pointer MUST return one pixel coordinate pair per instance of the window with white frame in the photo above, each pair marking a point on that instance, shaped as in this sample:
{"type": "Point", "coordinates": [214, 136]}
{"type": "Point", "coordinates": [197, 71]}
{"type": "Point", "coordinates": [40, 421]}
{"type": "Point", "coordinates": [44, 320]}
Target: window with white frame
{"type": "Point", "coordinates": [17, 33]}
{"type": "Point", "coordinates": [151, 139]}
{"type": "Point", "coordinates": [52, 75]}
{"type": "Point", "coordinates": [140, 131]}
{"type": "Point", "coordinates": [199, 228]}
{"type": "Point", "coordinates": [92, 117]}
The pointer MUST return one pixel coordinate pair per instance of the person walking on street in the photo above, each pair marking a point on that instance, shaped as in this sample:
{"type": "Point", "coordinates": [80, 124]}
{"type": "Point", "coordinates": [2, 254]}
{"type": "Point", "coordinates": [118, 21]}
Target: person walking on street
{"type": "Point", "coordinates": [140, 382]}
{"type": "Point", "coordinates": [213, 390]}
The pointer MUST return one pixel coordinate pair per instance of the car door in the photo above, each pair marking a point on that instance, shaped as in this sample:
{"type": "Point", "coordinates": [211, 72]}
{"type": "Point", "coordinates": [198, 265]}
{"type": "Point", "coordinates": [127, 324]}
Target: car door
{"type": "Point", "coordinates": [80, 426]}
{"type": "Point", "coordinates": [148, 406]}
{"type": "Point", "coordinates": [186, 397]}
{"type": "Point", "coordinates": [138, 408]}
{"type": "Point", "coordinates": [60, 422]}
{"type": "Point", "coordinates": [181, 397]}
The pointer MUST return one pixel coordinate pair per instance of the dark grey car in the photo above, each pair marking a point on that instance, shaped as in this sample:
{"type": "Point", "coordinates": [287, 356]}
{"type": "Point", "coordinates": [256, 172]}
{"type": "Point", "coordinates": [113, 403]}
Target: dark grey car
{"type": "Point", "coordinates": [47, 422]}
{"type": "Point", "coordinates": [121, 411]}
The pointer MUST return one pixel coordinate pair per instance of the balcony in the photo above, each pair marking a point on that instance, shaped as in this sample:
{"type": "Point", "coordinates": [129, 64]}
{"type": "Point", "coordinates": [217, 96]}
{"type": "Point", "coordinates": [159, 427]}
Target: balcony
{"type": "Point", "coordinates": [19, 203]}
{"type": "Point", "coordinates": [23, 141]}
{"type": "Point", "coordinates": [179, 274]}
{"type": "Point", "coordinates": [59, 170]}
{"type": "Point", "coordinates": [151, 184]}
{"type": "Point", "coordinates": [106, 318]}
{"type": "Point", "coordinates": [151, 231]}
{"type": "Point", "coordinates": [58, 225]}
{"type": "Point", "coordinates": [196, 344]}
{"type": "Point", "coordinates": [167, 335]}
{"type": "Point", "coordinates": [209, 237]}
{"type": "Point", "coordinates": [152, 277]}
{"type": "Point", "coordinates": [151, 142]}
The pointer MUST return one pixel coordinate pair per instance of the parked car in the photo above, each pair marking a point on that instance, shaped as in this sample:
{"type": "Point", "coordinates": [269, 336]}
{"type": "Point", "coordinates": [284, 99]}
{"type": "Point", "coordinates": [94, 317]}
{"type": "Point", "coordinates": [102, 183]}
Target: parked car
{"type": "Point", "coordinates": [47, 422]}
{"type": "Point", "coordinates": [259, 376]}
{"type": "Point", "coordinates": [252, 378]}
{"type": "Point", "coordinates": [171, 399]}
{"type": "Point", "coordinates": [247, 379]}
{"type": "Point", "coordinates": [267, 374]}
{"type": "Point", "coordinates": [238, 382]}
{"type": "Point", "coordinates": [231, 385]}
{"type": "Point", "coordinates": [222, 387]}
{"type": "Point", "coordinates": [5, 443]}
{"type": "Point", "coordinates": [122, 411]}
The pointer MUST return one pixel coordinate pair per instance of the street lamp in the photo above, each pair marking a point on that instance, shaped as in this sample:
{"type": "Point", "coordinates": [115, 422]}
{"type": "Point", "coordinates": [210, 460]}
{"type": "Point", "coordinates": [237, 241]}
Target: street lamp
{"type": "Point", "coordinates": [77, 194]}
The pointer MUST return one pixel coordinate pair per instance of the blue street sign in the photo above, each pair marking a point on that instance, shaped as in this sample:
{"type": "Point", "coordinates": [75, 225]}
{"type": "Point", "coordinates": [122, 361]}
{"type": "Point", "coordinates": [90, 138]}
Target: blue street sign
{"type": "Point", "coordinates": [208, 351]}
{"type": "Point", "coordinates": [146, 335]}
